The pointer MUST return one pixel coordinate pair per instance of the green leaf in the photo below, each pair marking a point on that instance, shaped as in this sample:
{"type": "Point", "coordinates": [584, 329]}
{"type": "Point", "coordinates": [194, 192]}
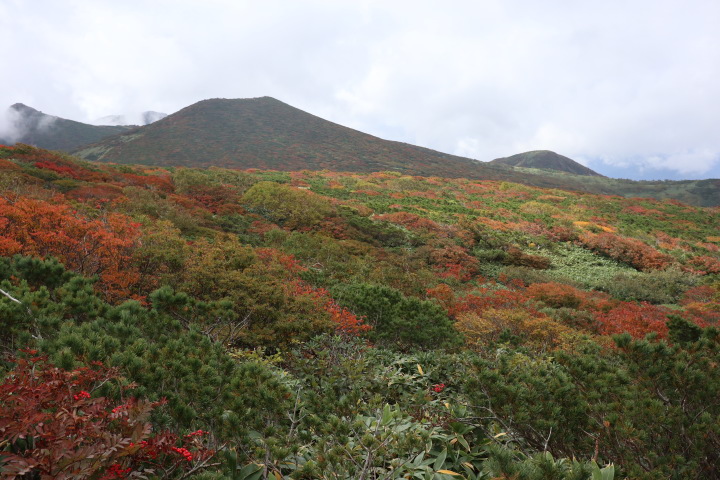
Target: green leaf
{"type": "Point", "coordinates": [249, 472]}
{"type": "Point", "coordinates": [387, 414]}
{"type": "Point", "coordinates": [440, 460]}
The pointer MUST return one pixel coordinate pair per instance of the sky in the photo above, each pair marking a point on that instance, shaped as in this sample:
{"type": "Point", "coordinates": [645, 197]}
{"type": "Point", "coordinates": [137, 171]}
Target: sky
{"type": "Point", "coordinates": [628, 88]}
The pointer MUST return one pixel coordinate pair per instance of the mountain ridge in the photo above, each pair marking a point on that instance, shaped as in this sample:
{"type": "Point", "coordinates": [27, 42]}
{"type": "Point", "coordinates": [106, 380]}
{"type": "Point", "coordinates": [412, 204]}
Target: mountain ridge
{"type": "Point", "coordinates": [236, 127]}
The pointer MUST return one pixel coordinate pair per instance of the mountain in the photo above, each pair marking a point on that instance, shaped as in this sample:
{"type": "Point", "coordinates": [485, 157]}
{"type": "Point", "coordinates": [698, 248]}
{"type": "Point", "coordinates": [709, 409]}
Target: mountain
{"type": "Point", "coordinates": [269, 134]}
{"type": "Point", "coordinates": [547, 160]}
{"type": "Point", "coordinates": [266, 133]}
{"type": "Point", "coordinates": [30, 126]}
{"type": "Point", "coordinates": [145, 118]}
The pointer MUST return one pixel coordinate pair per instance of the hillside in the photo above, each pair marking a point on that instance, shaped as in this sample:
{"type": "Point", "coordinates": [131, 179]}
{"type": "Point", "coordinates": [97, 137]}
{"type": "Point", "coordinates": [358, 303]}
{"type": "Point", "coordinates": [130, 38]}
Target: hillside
{"type": "Point", "coordinates": [546, 160]}
{"type": "Point", "coordinates": [327, 324]}
{"type": "Point", "coordinates": [33, 127]}
{"type": "Point", "coordinates": [268, 134]}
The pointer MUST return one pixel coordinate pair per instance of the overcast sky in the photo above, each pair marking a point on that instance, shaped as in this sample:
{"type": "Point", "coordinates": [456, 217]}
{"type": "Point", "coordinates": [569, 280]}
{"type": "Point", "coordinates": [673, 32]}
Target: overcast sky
{"type": "Point", "coordinates": [630, 88]}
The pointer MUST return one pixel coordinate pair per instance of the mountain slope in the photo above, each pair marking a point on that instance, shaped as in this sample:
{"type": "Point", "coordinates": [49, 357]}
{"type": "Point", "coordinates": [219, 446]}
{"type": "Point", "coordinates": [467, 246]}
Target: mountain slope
{"type": "Point", "coordinates": [33, 127]}
{"type": "Point", "coordinates": [545, 159]}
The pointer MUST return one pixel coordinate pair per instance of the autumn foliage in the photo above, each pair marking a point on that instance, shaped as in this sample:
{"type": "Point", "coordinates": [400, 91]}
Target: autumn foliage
{"type": "Point", "coordinates": [637, 319]}
{"type": "Point", "coordinates": [101, 246]}
{"type": "Point", "coordinates": [53, 425]}
{"type": "Point", "coordinates": [283, 311]}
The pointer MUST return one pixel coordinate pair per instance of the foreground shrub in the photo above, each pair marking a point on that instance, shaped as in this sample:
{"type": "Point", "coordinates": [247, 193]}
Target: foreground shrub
{"type": "Point", "coordinates": [53, 425]}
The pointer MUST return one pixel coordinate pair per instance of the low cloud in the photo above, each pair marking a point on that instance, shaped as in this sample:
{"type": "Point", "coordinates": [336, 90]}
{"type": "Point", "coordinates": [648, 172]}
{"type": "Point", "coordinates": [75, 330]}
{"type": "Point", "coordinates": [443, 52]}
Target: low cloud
{"type": "Point", "coordinates": [10, 128]}
{"type": "Point", "coordinates": [20, 124]}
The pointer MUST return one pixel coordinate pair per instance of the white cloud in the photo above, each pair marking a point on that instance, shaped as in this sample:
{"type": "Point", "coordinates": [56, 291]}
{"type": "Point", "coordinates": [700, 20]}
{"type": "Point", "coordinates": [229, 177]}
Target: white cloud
{"type": "Point", "coordinates": [9, 128]}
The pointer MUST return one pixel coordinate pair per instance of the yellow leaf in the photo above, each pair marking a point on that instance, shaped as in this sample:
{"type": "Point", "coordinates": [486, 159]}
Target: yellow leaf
{"type": "Point", "coordinates": [448, 472]}
{"type": "Point", "coordinates": [501, 434]}
{"type": "Point", "coordinates": [469, 465]}
{"type": "Point", "coordinates": [277, 475]}
{"type": "Point", "coordinates": [420, 370]}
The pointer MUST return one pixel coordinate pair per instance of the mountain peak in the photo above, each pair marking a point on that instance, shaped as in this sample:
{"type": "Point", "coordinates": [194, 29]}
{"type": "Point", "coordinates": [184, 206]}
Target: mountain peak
{"type": "Point", "coordinates": [547, 160]}
{"type": "Point", "coordinates": [24, 109]}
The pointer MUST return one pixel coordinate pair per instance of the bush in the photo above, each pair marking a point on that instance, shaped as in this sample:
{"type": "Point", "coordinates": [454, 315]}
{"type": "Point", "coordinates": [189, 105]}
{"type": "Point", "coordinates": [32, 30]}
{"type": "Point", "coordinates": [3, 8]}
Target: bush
{"type": "Point", "coordinates": [286, 205]}
{"type": "Point", "coordinates": [658, 287]}
{"type": "Point", "coordinates": [396, 319]}
{"type": "Point", "coordinates": [628, 250]}
{"type": "Point", "coordinates": [520, 259]}
{"type": "Point", "coordinates": [56, 426]}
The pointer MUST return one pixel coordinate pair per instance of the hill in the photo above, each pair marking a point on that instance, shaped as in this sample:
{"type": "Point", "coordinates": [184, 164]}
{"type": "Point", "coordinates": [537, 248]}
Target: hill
{"type": "Point", "coordinates": [266, 133]}
{"type": "Point", "coordinates": [546, 160]}
{"type": "Point", "coordinates": [338, 325]}
{"type": "Point", "coordinates": [33, 127]}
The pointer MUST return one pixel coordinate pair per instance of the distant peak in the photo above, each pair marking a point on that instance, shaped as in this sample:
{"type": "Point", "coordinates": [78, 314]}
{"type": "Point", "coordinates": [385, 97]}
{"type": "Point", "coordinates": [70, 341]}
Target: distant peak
{"type": "Point", "coordinates": [546, 159]}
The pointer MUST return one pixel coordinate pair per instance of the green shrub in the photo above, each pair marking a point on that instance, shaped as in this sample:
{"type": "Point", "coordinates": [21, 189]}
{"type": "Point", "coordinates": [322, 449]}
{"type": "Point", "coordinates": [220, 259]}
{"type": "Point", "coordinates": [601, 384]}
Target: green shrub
{"type": "Point", "coordinates": [657, 286]}
{"type": "Point", "coordinates": [396, 319]}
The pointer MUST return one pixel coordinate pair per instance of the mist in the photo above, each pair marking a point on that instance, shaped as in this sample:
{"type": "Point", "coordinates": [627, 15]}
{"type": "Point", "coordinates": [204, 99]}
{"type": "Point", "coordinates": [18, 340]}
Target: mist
{"type": "Point", "coordinates": [20, 123]}
{"type": "Point", "coordinates": [10, 128]}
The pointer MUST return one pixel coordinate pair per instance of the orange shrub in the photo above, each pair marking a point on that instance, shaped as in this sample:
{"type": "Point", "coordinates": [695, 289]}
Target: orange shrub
{"type": "Point", "coordinates": [556, 295]}
{"type": "Point", "coordinates": [627, 250]}
{"type": "Point", "coordinates": [637, 319]}
{"type": "Point", "coordinates": [100, 247]}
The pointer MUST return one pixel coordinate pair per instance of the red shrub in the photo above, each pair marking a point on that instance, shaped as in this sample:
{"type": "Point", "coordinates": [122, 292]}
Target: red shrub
{"type": "Point", "coordinates": [345, 321]}
{"type": "Point", "coordinates": [704, 265]}
{"type": "Point", "coordinates": [556, 295]}
{"type": "Point", "coordinates": [57, 429]}
{"type": "Point", "coordinates": [627, 250]}
{"type": "Point", "coordinates": [637, 319]}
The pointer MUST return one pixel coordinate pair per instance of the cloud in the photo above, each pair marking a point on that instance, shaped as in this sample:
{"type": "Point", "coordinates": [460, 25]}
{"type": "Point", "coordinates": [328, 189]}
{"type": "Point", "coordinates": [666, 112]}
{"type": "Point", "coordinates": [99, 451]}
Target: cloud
{"type": "Point", "coordinates": [19, 123]}
{"type": "Point", "coordinates": [10, 130]}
